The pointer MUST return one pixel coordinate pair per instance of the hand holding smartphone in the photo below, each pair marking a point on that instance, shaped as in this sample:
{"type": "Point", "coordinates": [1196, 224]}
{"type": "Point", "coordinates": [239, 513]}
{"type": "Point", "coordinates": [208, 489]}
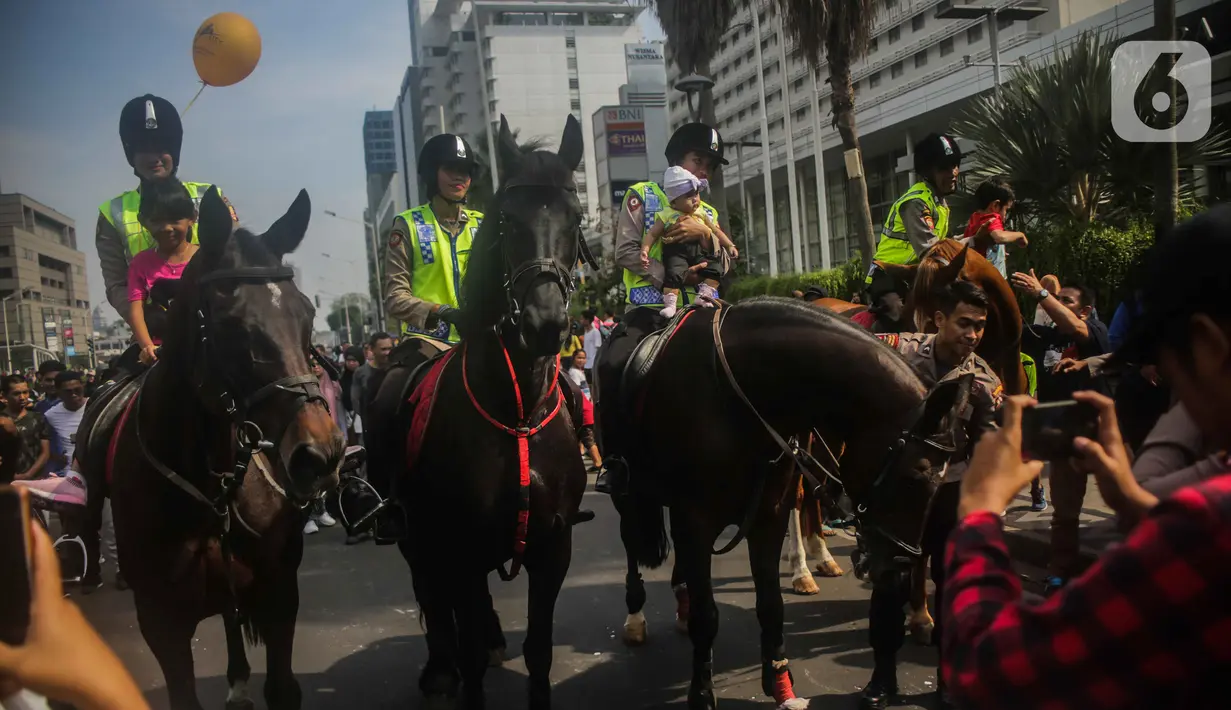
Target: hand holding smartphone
{"type": "Point", "coordinates": [1048, 429]}
{"type": "Point", "coordinates": [16, 565]}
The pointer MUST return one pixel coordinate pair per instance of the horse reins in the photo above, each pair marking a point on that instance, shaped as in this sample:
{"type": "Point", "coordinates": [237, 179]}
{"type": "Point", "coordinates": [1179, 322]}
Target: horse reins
{"type": "Point", "coordinates": [523, 431]}
{"type": "Point", "coordinates": [807, 464]}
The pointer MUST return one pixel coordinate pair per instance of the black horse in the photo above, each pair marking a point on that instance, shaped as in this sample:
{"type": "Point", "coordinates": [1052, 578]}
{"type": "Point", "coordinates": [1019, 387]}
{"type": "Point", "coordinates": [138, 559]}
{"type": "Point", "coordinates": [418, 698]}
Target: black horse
{"type": "Point", "coordinates": [214, 454]}
{"type": "Point", "coordinates": [498, 473]}
{"type": "Point", "coordinates": [694, 444]}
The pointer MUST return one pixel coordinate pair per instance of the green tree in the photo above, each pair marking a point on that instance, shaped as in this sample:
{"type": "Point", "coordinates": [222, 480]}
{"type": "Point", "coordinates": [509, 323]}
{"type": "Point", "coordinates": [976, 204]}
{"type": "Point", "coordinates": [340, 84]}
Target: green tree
{"type": "Point", "coordinates": [836, 30]}
{"type": "Point", "coordinates": [355, 305]}
{"type": "Point", "coordinates": [1050, 132]}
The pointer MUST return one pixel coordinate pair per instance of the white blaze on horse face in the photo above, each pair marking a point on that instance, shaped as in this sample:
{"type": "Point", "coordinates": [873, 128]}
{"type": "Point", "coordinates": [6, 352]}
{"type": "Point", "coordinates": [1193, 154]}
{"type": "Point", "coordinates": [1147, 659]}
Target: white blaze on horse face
{"type": "Point", "coordinates": [275, 293]}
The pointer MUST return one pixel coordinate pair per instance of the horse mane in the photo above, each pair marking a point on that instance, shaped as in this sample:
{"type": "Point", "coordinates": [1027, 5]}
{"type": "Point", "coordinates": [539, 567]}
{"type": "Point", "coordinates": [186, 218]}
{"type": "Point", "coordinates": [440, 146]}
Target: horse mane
{"type": "Point", "coordinates": [484, 301]}
{"type": "Point", "coordinates": [811, 315]}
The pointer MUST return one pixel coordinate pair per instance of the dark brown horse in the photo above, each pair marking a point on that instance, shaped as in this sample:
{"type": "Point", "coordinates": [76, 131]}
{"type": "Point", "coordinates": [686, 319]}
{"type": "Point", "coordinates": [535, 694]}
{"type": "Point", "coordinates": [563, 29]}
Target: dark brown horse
{"type": "Point", "coordinates": [497, 473]}
{"type": "Point", "coordinates": [233, 377]}
{"type": "Point", "coordinates": [800, 369]}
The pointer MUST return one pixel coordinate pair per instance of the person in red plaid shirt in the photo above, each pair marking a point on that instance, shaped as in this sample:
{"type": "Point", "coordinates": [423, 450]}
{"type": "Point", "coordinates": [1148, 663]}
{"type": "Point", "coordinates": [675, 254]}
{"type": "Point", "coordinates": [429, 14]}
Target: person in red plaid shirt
{"type": "Point", "coordinates": [1149, 624]}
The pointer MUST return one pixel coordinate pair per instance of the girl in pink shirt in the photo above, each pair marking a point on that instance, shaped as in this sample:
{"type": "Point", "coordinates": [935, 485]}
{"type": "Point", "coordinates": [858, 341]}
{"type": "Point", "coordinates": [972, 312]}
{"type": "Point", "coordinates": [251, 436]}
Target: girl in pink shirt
{"type": "Point", "coordinates": [169, 213]}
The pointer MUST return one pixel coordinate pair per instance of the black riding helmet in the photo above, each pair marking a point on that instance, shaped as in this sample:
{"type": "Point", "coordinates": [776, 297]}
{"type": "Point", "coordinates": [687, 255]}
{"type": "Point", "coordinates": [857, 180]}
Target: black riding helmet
{"type": "Point", "coordinates": [936, 152]}
{"type": "Point", "coordinates": [151, 123]}
{"type": "Point", "coordinates": [695, 137]}
{"type": "Point", "coordinates": [440, 151]}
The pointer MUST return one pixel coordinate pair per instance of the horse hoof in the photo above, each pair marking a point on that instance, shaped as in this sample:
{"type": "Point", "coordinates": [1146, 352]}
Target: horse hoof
{"type": "Point", "coordinates": [240, 704]}
{"type": "Point", "coordinates": [805, 586]}
{"type": "Point", "coordinates": [495, 657]}
{"type": "Point", "coordinates": [922, 633]}
{"type": "Point", "coordinates": [828, 568]}
{"type": "Point", "coordinates": [635, 630]}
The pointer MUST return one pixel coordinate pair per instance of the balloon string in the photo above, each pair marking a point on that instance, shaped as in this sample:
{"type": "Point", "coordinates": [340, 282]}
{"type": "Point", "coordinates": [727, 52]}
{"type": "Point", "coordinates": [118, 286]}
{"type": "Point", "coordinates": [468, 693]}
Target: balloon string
{"type": "Point", "coordinates": [194, 98]}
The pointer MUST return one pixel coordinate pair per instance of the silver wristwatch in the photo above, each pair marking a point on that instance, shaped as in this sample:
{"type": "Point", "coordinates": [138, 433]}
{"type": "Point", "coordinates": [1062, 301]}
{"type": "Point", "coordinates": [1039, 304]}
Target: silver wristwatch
{"type": "Point", "coordinates": [1042, 294]}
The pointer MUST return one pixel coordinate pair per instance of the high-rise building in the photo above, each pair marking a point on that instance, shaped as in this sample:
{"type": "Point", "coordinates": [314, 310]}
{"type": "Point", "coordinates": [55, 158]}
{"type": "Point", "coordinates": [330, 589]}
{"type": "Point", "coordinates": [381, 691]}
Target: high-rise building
{"type": "Point", "coordinates": [381, 164]}
{"type": "Point", "coordinates": [918, 74]}
{"type": "Point", "coordinates": [541, 61]}
{"type": "Point", "coordinates": [42, 284]}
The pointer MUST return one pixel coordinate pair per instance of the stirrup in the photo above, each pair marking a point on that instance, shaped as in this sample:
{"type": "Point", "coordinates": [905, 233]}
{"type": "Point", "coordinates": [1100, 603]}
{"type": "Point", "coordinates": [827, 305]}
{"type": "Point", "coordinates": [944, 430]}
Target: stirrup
{"type": "Point", "coordinates": [385, 529]}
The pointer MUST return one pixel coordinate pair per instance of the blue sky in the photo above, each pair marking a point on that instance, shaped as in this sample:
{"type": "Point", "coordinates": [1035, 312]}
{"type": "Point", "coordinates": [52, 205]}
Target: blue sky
{"type": "Point", "coordinates": [296, 122]}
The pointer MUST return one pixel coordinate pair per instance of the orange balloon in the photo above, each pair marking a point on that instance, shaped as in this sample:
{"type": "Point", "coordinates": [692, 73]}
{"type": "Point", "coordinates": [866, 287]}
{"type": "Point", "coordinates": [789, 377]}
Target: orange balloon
{"type": "Point", "coordinates": [226, 49]}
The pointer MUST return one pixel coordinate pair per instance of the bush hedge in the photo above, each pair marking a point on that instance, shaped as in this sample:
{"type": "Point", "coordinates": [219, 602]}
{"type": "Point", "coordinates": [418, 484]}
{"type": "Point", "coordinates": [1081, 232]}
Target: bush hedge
{"type": "Point", "coordinates": [840, 281]}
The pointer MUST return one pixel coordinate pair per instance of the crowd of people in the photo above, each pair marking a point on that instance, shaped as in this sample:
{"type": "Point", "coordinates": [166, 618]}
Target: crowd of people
{"type": "Point", "coordinates": [1143, 626]}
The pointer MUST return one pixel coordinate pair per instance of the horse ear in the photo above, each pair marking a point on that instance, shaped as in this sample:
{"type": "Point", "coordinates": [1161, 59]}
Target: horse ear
{"type": "Point", "coordinates": [510, 152]}
{"type": "Point", "coordinates": [953, 270]}
{"type": "Point", "coordinates": [572, 148]}
{"type": "Point", "coordinates": [284, 235]}
{"type": "Point", "coordinates": [904, 272]}
{"type": "Point", "coordinates": [946, 399]}
{"type": "Point", "coordinates": [214, 224]}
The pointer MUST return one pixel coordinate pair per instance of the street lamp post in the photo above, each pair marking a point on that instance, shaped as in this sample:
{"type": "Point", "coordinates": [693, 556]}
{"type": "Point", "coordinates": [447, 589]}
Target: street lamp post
{"type": "Point", "coordinates": [380, 283]}
{"type": "Point", "coordinates": [991, 12]}
{"type": "Point", "coordinates": [4, 306]}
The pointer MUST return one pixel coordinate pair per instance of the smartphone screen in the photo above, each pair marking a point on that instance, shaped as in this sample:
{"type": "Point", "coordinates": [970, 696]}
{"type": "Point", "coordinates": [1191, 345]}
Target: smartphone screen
{"type": "Point", "coordinates": [1048, 429]}
{"type": "Point", "coordinates": [15, 572]}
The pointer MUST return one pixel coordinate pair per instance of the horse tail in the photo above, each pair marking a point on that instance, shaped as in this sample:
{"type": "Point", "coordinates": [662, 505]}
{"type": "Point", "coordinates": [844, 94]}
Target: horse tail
{"type": "Point", "coordinates": [643, 526]}
{"type": "Point", "coordinates": [252, 634]}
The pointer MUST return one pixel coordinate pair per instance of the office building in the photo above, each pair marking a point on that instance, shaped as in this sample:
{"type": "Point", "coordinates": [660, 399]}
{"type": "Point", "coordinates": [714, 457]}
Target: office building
{"type": "Point", "coordinates": [43, 284]}
{"type": "Point", "coordinates": [920, 71]}
{"type": "Point", "coordinates": [380, 165]}
{"type": "Point", "coordinates": [541, 61]}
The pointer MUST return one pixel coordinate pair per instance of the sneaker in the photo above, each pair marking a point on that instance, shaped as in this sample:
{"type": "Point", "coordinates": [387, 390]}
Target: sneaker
{"type": "Point", "coordinates": [309, 528]}
{"type": "Point", "coordinates": [61, 491]}
{"type": "Point", "coordinates": [325, 519]}
{"type": "Point", "coordinates": [1038, 502]}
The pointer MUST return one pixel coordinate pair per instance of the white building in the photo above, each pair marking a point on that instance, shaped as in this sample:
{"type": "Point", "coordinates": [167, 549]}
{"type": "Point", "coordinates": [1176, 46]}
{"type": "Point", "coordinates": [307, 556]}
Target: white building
{"type": "Point", "coordinates": [919, 72]}
{"type": "Point", "coordinates": [541, 61]}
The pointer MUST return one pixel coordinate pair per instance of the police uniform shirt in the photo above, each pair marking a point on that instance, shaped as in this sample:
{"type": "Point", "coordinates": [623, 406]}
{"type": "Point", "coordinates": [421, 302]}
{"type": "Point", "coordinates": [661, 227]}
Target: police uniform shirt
{"type": "Point", "coordinates": [400, 301]}
{"type": "Point", "coordinates": [986, 393]}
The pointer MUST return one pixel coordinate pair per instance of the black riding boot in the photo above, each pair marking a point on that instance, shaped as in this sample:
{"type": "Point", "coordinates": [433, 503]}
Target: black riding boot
{"type": "Point", "coordinates": [613, 479]}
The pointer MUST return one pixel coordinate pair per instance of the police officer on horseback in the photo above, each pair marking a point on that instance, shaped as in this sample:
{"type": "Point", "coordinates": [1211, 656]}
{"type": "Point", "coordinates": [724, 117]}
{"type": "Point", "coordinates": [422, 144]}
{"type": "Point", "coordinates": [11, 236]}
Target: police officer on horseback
{"type": "Point", "coordinates": [697, 148]}
{"type": "Point", "coordinates": [916, 221]}
{"type": "Point", "coordinates": [429, 249]}
{"type": "Point", "coordinates": [151, 133]}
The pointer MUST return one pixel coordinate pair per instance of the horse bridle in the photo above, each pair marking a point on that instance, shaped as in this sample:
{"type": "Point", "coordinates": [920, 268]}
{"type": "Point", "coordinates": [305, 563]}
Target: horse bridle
{"type": "Point", "coordinates": [249, 439]}
{"type": "Point", "coordinates": [809, 466]}
{"type": "Point", "coordinates": [561, 275]}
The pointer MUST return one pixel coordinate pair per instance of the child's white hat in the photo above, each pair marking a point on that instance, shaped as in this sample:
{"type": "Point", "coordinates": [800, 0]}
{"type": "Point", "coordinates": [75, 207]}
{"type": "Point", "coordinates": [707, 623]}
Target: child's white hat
{"type": "Point", "coordinates": [677, 181]}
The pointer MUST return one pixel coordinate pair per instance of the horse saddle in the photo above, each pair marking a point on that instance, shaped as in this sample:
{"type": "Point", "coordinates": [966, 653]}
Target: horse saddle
{"type": "Point", "coordinates": [641, 362]}
{"type": "Point", "coordinates": [98, 423]}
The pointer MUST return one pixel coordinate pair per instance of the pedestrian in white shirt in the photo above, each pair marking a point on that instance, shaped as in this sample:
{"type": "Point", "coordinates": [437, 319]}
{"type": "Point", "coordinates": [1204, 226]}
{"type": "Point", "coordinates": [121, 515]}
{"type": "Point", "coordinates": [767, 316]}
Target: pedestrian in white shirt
{"type": "Point", "coordinates": [592, 340]}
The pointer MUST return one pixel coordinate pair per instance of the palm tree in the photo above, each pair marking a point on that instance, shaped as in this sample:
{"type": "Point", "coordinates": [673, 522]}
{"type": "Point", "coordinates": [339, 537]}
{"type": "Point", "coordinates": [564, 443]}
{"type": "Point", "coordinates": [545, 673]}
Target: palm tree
{"type": "Point", "coordinates": [837, 30]}
{"type": "Point", "coordinates": [1050, 131]}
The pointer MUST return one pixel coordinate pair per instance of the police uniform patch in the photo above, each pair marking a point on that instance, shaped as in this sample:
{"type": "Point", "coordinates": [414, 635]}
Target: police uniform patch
{"type": "Point", "coordinates": [890, 339]}
{"type": "Point", "coordinates": [633, 202]}
{"type": "Point", "coordinates": [395, 240]}
{"type": "Point", "coordinates": [927, 219]}
{"type": "Point", "coordinates": [427, 238]}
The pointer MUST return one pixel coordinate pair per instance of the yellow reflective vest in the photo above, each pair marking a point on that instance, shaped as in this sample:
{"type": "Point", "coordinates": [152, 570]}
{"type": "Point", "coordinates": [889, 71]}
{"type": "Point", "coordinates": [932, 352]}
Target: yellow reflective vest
{"type": "Point", "coordinates": [640, 291]}
{"type": "Point", "coordinates": [894, 246]}
{"type": "Point", "coordinates": [438, 263]}
{"type": "Point", "coordinates": [121, 212]}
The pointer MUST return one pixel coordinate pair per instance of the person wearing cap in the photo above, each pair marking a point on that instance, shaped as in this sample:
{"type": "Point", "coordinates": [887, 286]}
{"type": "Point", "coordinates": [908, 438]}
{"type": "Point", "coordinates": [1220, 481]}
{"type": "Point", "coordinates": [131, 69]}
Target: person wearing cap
{"type": "Point", "coordinates": [1145, 625]}
{"type": "Point", "coordinates": [423, 283]}
{"type": "Point", "coordinates": [919, 218]}
{"type": "Point", "coordinates": [429, 248]}
{"type": "Point", "coordinates": [698, 149]}
{"type": "Point", "coordinates": [151, 133]}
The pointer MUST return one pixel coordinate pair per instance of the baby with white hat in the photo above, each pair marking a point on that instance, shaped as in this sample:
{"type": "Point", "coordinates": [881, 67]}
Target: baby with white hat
{"type": "Point", "coordinates": [683, 190]}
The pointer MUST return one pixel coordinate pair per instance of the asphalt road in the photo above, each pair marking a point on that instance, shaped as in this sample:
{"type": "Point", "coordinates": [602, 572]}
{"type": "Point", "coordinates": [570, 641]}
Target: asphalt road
{"type": "Point", "coordinates": [359, 645]}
